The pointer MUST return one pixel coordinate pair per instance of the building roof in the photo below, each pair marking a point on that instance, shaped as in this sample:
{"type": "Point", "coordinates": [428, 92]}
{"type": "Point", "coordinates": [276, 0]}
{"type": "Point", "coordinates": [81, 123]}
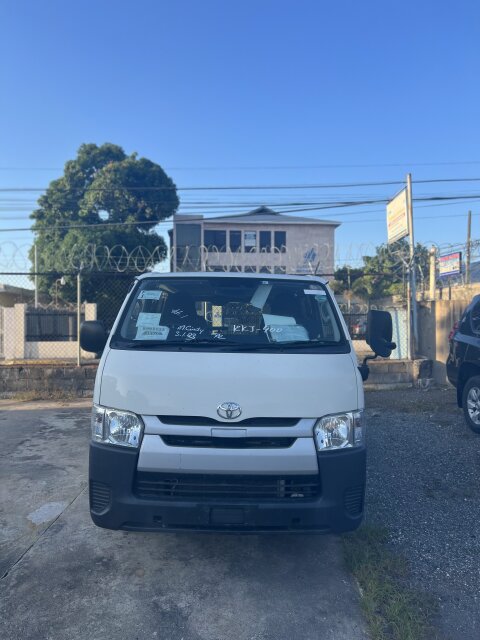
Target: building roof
{"type": "Point", "coordinates": [261, 215]}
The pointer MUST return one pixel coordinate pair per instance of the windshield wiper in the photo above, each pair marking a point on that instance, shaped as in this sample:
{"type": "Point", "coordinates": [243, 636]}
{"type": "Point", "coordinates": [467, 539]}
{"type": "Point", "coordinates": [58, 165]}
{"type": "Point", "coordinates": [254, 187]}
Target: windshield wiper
{"type": "Point", "coordinates": [237, 346]}
{"type": "Point", "coordinates": [137, 344]}
{"type": "Point", "coordinates": [305, 343]}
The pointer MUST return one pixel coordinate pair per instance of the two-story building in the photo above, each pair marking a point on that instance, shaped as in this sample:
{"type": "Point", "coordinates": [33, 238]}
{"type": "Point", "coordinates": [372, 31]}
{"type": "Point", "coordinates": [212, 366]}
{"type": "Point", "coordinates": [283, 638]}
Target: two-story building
{"type": "Point", "coordinates": [259, 241]}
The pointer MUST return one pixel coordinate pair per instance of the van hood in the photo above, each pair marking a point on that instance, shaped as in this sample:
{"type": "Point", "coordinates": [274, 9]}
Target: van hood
{"type": "Point", "coordinates": [196, 383]}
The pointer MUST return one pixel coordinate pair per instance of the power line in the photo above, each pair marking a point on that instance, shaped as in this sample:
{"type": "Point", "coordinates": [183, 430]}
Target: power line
{"type": "Point", "coordinates": [282, 167]}
{"type": "Point", "coordinates": [320, 207]}
{"type": "Point", "coordinates": [203, 188]}
{"type": "Point", "coordinates": [338, 185]}
{"type": "Point", "coordinates": [160, 223]}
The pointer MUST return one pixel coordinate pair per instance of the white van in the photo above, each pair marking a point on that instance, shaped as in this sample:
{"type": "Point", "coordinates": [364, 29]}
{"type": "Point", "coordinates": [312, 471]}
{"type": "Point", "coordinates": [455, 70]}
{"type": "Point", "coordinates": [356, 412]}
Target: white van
{"type": "Point", "coordinates": [229, 402]}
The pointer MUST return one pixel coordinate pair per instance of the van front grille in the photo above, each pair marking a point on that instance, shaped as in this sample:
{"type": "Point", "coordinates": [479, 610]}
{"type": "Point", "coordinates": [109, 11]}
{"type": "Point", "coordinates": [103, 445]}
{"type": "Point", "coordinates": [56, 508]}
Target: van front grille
{"type": "Point", "coordinates": [227, 443]}
{"type": "Point", "coordinates": [202, 421]}
{"type": "Point", "coordinates": [225, 487]}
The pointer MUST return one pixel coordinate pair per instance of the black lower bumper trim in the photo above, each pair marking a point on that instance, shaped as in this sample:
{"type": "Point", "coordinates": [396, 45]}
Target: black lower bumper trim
{"type": "Point", "coordinates": [339, 507]}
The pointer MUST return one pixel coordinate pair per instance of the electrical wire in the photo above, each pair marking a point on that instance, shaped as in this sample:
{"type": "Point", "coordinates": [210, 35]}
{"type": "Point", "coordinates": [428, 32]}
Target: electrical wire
{"type": "Point", "coordinates": [283, 167]}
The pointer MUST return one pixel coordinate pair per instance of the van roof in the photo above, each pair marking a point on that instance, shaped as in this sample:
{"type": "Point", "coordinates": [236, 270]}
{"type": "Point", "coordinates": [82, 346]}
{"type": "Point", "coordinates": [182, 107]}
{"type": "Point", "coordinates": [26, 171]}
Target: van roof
{"type": "Point", "coordinates": [229, 274]}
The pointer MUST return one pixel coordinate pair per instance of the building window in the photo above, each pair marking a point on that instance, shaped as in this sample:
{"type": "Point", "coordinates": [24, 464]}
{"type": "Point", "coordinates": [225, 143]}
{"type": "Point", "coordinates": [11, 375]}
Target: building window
{"type": "Point", "coordinates": [250, 270]}
{"type": "Point", "coordinates": [266, 241]}
{"type": "Point", "coordinates": [281, 241]}
{"type": "Point", "coordinates": [265, 270]}
{"type": "Point", "coordinates": [215, 240]}
{"type": "Point", "coordinates": [250, 241]}
{"type": "Point", "coordinates": [235, 241]}
{"type": "Point", "coordinates": [280, 270]}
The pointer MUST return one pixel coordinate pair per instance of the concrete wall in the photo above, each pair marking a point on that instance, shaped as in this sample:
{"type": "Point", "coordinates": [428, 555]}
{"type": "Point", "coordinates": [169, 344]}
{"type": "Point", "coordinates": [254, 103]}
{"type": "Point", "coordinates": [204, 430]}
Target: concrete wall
{"type": "Point", "coordinates": [463, 292]}
{"type": "Point", "coordinates": [393, 374]}
{"type": "Point", "coordinates": [15, 347]}
{"type": "Point", "coordinates": [78, 381]}
{"type": "Point", "coordinates": [14, 332]}
{"type": "Point", "coordinates": [54, 350]}
{"type": "Point", "coordinates": [435, 321]}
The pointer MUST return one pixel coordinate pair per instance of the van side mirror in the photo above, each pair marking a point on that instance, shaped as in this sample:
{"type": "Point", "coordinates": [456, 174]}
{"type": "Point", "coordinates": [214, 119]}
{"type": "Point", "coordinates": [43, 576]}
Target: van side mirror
{"type": "Point", "coordinates": [93, 336]}
{"type": "Point", "coordinates": [379, 338]}
{"type": "Point", "coordinates": [379, 333]}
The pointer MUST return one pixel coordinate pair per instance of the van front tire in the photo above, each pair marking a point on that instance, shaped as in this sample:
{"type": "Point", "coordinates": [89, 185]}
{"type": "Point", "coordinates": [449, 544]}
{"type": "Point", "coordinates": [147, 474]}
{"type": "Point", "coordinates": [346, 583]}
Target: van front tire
{"type": "Point", "coordinates": [471, 403]}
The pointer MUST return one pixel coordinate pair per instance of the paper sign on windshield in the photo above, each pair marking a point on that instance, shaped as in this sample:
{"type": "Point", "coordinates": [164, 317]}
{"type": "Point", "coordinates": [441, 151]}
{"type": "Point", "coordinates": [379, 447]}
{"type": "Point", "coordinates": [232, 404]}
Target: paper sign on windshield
{"type": "Point", "coordinates": [290, 333]}
{"type": "Point", "coordinates": [152, 333]}
{"type": "Point", "coordinates": [149, 295]}
{"type": "Point", "coordinates": [148, 319]}
{"type": "Point", "coordinates": [216, 316]}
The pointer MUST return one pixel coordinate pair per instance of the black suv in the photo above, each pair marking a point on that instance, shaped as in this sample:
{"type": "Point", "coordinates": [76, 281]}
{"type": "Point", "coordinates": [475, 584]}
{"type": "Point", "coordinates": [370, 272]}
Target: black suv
{"type": "Point", "coordinates": [463, 363]}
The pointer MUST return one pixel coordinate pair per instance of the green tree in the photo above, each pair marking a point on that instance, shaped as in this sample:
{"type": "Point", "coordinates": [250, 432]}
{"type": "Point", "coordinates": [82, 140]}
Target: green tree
{"type": "Point", "coordinates": [104, 199]}
{"type": "Point", "coordinates": [385, 273]}
{"type": "Point", "coordinates": [345, 277]}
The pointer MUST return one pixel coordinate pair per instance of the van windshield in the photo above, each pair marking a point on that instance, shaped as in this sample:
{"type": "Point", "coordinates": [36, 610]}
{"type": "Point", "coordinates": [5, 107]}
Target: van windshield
{"type": "Point", "coordinates": [226, 313]}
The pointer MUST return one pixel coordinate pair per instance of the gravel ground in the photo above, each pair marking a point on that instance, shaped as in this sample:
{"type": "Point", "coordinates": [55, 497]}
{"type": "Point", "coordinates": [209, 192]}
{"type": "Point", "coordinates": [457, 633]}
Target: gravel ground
{"type": "Point", "coordinates": [424, 486]}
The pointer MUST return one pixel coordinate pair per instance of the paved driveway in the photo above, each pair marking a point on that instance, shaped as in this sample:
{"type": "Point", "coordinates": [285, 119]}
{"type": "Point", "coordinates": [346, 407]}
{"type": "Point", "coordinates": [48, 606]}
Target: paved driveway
{"type": "Point", "coordinates": [65, 578]}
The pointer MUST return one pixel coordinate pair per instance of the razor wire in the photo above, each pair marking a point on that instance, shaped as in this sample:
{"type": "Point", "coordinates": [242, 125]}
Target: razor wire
{"type": "Point", "coordinates": [306, 258]}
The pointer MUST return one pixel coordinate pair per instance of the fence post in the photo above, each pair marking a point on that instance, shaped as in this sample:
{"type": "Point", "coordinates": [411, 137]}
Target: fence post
{"type": "Point", "coordinates": [35, 259]}
{"type": "Point", "coordinates": [433, 273]}
{"type": "Point", "coordinates": [79, 315]}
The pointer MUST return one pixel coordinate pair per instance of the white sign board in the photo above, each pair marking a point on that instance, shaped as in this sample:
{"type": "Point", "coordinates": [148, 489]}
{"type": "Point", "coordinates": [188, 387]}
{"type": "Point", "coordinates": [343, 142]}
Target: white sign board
{"type": "Point", "coordinates": [450, 264]}
{"type": "Point", "coordinates": [397, 217]}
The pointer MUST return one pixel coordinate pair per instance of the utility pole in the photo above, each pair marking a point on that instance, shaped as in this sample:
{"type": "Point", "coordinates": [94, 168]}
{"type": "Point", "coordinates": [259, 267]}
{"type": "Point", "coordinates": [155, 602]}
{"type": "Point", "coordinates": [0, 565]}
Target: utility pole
{"type": "Point", "coordinates": [35, 267]}
{"type": "Point", "coordinates": [79, 316]}
{"type": "Point", "coordinates": [174, 245]}
{"type": "Point", "coordinates": [349, 281]}
{"type": "Point", "coordinates": [469, 249]}
{"type": "Point", "coordinates": [413, 278]}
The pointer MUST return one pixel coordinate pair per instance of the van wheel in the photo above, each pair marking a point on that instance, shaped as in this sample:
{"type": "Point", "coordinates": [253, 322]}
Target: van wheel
{"type": "Point", "coordinates": [471, 403]}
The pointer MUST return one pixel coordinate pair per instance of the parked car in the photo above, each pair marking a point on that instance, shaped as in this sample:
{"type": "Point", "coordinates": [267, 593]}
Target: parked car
{"type": "Point", "coordinates": [359, 329]}
{"type": "Point", "coordinates": [463, 363]}
{"type": "Point", "coordinates": [230, 403]}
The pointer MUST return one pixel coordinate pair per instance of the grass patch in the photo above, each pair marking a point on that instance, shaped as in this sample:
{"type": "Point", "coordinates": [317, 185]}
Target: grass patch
{"type": "Point", "coordinates": [392, 610]}
{"type": "Point", "coordinates": [31, 396]}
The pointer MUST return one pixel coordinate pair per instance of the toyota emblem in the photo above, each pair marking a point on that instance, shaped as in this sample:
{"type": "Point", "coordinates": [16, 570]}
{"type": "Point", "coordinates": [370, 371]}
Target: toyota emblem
{"type": "Point", "coordinates": [229, 410]}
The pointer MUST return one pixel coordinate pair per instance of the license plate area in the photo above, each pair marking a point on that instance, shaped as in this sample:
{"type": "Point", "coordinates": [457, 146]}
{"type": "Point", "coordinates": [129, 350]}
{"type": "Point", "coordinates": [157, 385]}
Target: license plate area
{"type": "Point", "coordinates": [227, 515]}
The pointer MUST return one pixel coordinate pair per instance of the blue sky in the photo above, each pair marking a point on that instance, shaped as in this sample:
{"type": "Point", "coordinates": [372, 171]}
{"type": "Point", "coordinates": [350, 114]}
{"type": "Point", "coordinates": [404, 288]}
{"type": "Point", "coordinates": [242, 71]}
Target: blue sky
{"type": "Point", "coordinates": [249, 93]}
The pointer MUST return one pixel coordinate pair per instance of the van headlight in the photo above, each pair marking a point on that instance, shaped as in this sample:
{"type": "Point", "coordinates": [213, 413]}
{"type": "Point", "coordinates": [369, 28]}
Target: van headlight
{"type": "Point", "coordinates": [340, 431]}
{"type": "Point", "coordinates": [112, 426]}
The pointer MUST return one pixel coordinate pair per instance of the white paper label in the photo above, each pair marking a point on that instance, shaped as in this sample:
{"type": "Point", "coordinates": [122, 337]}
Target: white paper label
{"type": "Point", "coordinates": [152, 333]}
{"type": "Point", "coordinates": [290, 333]}
{"type": "Point", "coordinates": [271, 320]}
{"type": "Point", "coordinates": [314, 292]}
{"type": "Point", "coordinates": [148, 319]}
{"type": "Point", "coordinates": [149, 295]}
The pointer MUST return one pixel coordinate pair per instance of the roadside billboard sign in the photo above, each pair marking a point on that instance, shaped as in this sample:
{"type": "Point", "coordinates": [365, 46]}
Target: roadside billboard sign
{"type": "Point", "coordinates": [397, 217]}
{"type": "Point", "coordinates": [450, 264]}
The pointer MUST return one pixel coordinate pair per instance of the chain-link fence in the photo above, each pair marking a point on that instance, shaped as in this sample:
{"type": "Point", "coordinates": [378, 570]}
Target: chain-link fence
{"type": "Point", "coordinates": [40, 313]}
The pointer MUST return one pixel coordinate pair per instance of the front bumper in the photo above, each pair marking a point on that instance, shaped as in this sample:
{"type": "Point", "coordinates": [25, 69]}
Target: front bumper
{"type": "Point", "coordinates": [114, 505]}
